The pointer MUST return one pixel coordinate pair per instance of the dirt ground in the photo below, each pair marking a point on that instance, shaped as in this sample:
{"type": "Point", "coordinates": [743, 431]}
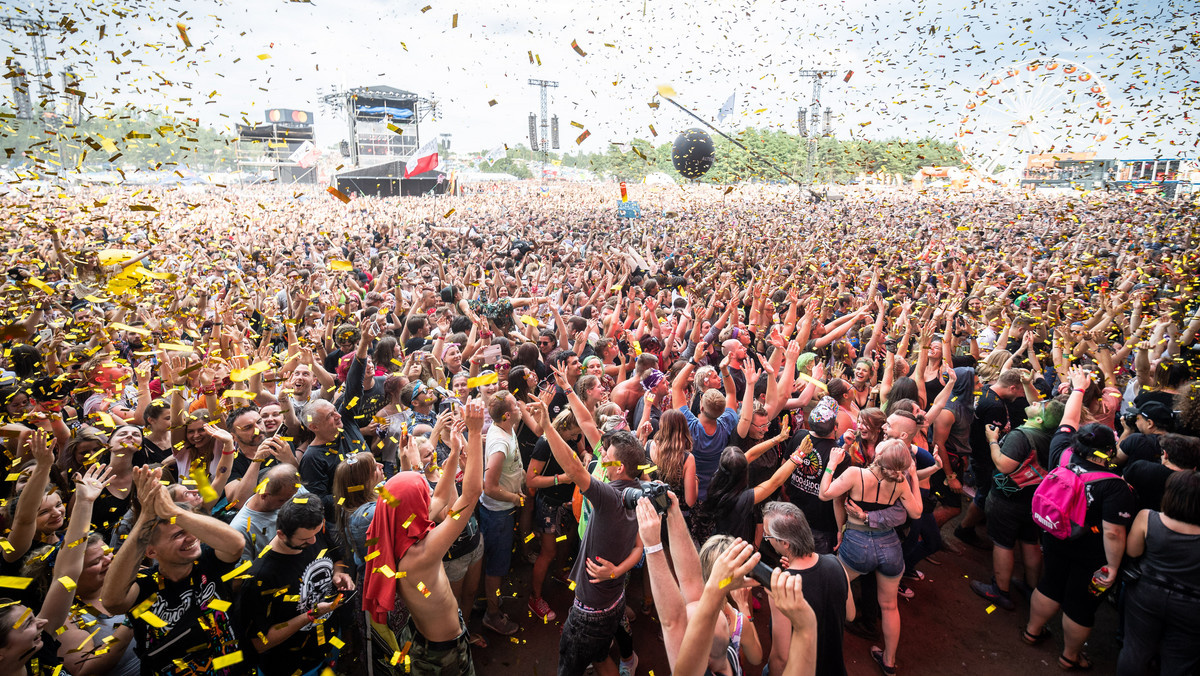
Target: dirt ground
{"type": "Point", "coordinates": [946, 629]}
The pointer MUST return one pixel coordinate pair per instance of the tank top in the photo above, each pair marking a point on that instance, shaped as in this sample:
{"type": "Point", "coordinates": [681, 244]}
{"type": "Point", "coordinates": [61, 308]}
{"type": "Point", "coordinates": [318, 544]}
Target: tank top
{"type": "Point", "coordinates": [825, 589]}
{"type": "Point", "coordinates": [1170, 555]}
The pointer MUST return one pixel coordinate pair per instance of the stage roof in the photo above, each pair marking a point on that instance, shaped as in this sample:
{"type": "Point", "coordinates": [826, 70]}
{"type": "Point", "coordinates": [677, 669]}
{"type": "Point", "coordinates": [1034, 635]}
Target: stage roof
{"type": "Point", "coordinates": [383, 92]}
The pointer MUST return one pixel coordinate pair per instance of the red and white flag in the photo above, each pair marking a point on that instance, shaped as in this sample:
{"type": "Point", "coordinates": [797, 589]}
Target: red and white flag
{"type": "Point", "coordinates": [425, 159]}
{"type": "Point", "coordinates": [306, 155]}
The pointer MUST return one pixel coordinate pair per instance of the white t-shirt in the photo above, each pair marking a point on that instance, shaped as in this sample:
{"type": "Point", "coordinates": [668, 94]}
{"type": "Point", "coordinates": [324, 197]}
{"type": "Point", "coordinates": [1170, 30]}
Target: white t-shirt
{"type": "Point", "coordinates": [500, 446]}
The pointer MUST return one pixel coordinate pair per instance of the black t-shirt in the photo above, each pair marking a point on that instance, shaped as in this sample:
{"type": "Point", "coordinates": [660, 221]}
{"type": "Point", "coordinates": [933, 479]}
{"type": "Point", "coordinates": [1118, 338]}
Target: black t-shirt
{"type": "Point", "coordinates": [415, 345]}
{"type": "Point", "coordinates": [559, 403]}
{"type": "Point", "coordinates": [241, 465]}
{"type": "Point", "coordinates": [195, 632]}
{"type": "Point", "coordinates": [1108, 500]}
{"type": "Point", "coordinates": [738, 521]}
{"type": "Point", "coordinates": [804, 484]}
{"type": "Point", "coordinates": [1149, 481]}
{"type": "Point", "coordinates": [108, 510]}
{"type": "Point", "coordinates": [1138, 446]}
{"type": "Point", "coordinates": [281, 587]}
{"type": "Point", "coordinates": [555, 495]}
{"type": "Point", "coordinates": [989, 410]}
{"type": "Point", "coordinates": [1017, 445]}
{"type": "Point", "coordinates": [331, 360]}
{"type": "Point", "coordinates": [150, 454]}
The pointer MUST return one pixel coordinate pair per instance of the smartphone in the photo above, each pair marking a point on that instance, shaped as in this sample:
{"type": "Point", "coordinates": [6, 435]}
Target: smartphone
{"type": "Point", "coordinates": [762, 573]}
{"type": "Point", "coordinates": [490, 354]}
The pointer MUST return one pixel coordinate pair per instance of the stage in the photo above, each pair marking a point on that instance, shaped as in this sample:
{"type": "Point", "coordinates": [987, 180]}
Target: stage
{"type": "Point", "coordinates": [387, 180]}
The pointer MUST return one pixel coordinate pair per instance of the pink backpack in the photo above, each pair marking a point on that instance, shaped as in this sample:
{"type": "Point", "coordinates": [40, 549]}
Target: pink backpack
{"type": "Point", "coordinates": [1060, 501]}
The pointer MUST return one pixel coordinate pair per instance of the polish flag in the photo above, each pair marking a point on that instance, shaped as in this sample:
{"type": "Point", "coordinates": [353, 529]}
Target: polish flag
{"type": "Point", "coordinates": [425, 159]}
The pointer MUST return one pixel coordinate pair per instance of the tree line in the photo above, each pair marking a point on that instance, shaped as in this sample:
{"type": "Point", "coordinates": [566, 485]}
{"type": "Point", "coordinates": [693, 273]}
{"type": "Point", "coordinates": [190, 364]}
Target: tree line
{"type": "Point", "coordinates": [838, 161]}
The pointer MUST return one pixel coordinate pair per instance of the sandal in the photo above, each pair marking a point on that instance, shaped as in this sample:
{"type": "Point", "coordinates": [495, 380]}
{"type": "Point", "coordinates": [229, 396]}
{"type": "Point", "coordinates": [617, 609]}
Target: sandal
{"type": "Point", "coordinates": [1035, 640]}
{"type": "Point", "coordinates": [1080, 664]}
{"type": "Point", "coordinates": [877, 655]}
{"type": "Point", "coordinates": [477, 640]}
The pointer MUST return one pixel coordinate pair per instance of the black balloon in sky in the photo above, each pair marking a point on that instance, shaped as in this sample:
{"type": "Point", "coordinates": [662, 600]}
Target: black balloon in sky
{"type": "Point", "coordinates": [693, 153]}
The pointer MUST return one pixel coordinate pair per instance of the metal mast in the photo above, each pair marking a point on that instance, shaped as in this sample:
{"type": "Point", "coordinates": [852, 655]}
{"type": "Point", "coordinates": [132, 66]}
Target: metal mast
{"type": "Point", "coordinates": [813, 132]}
{"type": "Point", "coordinates": [36, 31]}
{"type": "Point", "coordinates": [544, 123]}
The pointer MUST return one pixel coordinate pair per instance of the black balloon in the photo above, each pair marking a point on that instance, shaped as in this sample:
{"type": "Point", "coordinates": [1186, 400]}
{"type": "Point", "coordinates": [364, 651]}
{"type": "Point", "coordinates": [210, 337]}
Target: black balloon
{"type": "Point", "coordinates": [693, 153]}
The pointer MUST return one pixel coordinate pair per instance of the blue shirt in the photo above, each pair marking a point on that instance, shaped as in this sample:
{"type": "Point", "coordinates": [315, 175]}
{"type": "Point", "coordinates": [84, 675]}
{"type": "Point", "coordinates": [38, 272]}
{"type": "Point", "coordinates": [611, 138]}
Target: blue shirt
{"type": "Point", "coordinates": [708, 448]}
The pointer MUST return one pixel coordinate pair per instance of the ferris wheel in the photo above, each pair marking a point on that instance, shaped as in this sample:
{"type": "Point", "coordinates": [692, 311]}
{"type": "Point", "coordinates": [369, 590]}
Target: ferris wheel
{"type": "Point", "coordinates": [1037, 106]}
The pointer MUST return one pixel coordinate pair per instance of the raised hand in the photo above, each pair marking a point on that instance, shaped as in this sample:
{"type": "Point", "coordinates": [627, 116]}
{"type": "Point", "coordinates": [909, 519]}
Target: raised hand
{"type": "Point", "coordinates": [40, 447]}
{"type": "Point", "coordinates": [91, 483]}
{"type": "Point", "coordinates": [649, 523]}
{"type": "Point", "coordinates": [730, 569]}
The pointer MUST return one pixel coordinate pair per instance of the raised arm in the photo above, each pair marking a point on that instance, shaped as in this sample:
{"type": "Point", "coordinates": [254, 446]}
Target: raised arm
{"type": "Point", "coordinates": [567, 459]}
{"type": "Point", "coordinates": [24, 525]}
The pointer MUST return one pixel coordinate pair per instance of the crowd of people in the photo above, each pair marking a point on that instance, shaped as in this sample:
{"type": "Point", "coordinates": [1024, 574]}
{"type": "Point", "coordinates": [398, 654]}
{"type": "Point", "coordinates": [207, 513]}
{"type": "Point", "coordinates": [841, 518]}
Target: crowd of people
{"type": "Point", "coordinates": [269, 431]}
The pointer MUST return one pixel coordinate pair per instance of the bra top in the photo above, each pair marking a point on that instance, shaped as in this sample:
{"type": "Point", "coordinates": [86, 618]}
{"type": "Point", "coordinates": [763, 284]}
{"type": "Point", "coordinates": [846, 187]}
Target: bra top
{"type": "Point", "coordinates": [875, 506]}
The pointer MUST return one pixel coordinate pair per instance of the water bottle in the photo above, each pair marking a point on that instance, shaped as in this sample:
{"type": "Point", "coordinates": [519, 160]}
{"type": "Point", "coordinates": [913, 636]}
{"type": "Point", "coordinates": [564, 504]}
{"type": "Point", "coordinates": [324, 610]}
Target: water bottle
{"type": "Point", "coordinates": [1098, 586]}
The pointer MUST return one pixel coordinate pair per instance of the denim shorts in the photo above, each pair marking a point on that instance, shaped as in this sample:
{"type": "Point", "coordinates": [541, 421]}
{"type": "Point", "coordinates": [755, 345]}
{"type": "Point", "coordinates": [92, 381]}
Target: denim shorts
{"type": "Point", "coordinates": [497, 530]}
{"type": "Point", "coordinates": [866, 551]}
{"type": "Point", "coordinates": [551, 518]}
{"type": "Point", "coordinates": [587, 637]}
{"type": "Point", "coordinates": [456, 568]}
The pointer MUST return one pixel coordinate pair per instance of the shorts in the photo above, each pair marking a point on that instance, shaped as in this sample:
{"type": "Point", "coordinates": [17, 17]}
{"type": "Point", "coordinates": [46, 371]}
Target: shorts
{"type": "Point", "coordinates": [437, 657]}
{"type": "Point", "coordinates": [456, 568]}
{"type": "Point", "coordinates": [587, 637]}
{"type": "Point", "coordinates": [867, 551]}
{"type": "Point", "coordinates": [1010, 521]}
{"type": "Point", "coordinates": [1067, 570]}
{"type": "Point", "coordinates": [551, 518]}
{"type": "Point", "coordinates": [497, 530]}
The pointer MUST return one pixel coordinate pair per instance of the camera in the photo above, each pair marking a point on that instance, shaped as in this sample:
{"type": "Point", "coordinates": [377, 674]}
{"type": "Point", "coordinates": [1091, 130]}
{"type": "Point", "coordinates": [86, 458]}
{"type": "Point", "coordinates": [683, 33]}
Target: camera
{"type": "Point", "coordinates": [655, 491]}
{"type": "Point", "coordinates": [1130, 420]}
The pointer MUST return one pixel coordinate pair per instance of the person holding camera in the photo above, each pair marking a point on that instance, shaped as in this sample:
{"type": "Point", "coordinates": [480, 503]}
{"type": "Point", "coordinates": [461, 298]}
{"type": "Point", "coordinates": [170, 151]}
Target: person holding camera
{"type": "Point", "coordinates": [612, 535]}
{"type": "Point", "coordinates": [283, 627]}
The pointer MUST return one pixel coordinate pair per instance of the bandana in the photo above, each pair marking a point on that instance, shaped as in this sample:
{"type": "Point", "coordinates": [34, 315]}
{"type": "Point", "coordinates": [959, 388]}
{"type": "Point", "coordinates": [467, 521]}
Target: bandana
{"type": "Point", "coordinates": [401, 520]}
{"type": "Point", "coordinates": [825, 411]}
{"type": "Point", "coordinates": [651, 380]}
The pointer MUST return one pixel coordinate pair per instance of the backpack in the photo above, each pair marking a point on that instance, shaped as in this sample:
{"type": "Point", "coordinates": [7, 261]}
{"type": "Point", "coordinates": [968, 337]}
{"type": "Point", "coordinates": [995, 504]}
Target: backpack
{"type": "Point", "coordinates": [1060, 502]}
{"type": "Point", "coordinates": [1029, 473]}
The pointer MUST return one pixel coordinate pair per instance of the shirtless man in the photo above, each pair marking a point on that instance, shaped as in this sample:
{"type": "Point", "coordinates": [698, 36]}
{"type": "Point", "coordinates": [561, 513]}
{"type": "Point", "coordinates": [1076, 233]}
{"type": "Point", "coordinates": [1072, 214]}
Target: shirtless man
{"type": "Point", "coordinates": [410, 548]}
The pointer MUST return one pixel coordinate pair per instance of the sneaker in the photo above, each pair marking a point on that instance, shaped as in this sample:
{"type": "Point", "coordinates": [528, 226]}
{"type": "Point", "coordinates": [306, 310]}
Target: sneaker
{"type": "Point", "coordinates": [989, 591]}
{"type": "Point", "coordinates": [539, 607]}
{"type": "Point", "coordinates": [914, 574]}
{"type": "Point", "coordinates": [500, 624]}
{"type": "Point", "coordinates": [629, 668]}
{"type": "Point", "coordinates": [905, 591]}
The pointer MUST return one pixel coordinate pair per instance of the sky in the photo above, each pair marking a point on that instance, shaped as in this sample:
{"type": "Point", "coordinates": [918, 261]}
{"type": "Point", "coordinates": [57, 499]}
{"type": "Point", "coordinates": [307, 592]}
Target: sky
{"type": "Point", "coordinates": [915, 64]}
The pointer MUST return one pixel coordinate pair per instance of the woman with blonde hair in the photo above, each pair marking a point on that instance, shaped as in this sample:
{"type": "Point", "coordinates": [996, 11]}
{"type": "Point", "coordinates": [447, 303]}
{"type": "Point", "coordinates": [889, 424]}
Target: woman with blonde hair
{"type": "Point", "coordinates": [890, 478]}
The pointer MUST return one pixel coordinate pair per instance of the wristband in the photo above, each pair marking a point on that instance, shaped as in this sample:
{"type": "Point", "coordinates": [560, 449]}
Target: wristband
{"type": "Point", "coordinates": [312, 616]}
{"type": "Point", "coordinates": [795, 460]}
{"type": "Point", "coordinates": [829, 470]}
{"type": "Point", "coordinates": [555, 479]}
{"type": "Point", "coordinates": [1078, 389]}
{"type": "Point", "coordinates": [653, 548]}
